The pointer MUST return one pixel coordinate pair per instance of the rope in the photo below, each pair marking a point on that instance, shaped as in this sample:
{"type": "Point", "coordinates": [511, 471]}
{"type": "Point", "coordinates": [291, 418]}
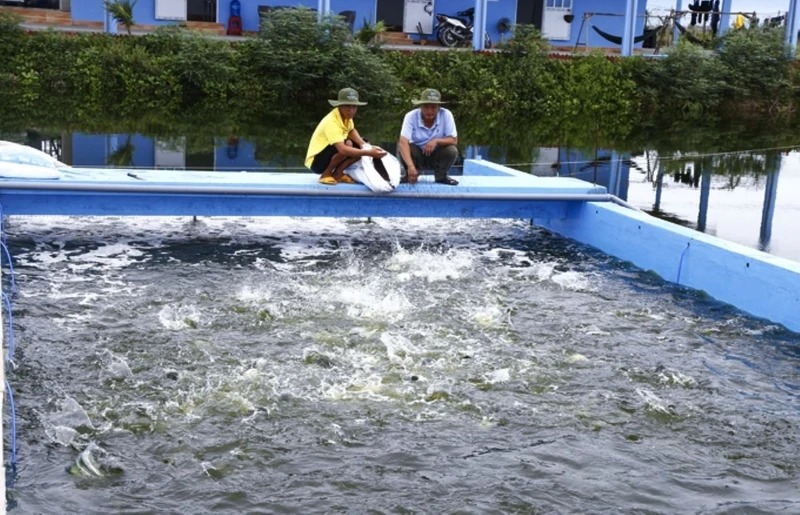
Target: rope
{"type": "Point", "coordinates": [673, 158]}
{"type": "Point", "coordinates": [680, 263]}
{"type": "Point", "coordinates": [6, 299]}
{"type": "Point", "coordinates": [12, 408]}
{"type": "Point", "coordinates": [527, 164]}
{"type": "Point", "coordinates": [3, 243]}
{"type": "Point", "coordinates": [11, 346]}
{"type": "Point", "coordinates": [10, 265]}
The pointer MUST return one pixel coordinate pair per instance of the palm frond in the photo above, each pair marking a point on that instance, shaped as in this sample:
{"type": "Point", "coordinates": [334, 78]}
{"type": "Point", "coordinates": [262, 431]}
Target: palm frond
{"type": "Point", "coordinates": [122, 12]}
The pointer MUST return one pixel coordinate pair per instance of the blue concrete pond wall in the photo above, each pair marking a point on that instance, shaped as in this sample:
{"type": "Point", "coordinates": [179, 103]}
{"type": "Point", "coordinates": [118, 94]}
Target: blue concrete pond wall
{"type": "Point", "coordinates": [761, 284]}
{"type": "Point", "coordinates": [758, 283]}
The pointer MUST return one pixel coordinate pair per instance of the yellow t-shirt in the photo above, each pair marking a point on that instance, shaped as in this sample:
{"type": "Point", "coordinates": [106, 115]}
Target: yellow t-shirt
{"type": "Point", "coordinates": [331, 130]}
{"type": "Point", "coordinates": [738, 22]}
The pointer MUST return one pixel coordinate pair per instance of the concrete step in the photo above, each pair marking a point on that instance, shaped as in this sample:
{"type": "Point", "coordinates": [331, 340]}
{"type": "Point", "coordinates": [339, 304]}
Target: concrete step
{"type": "Point", "coordinates": [206, 27]}
{"type": "Point", "coordinates": [63, 20]}
{"type": "Point", "coordinates": [395, 38]}
{"type": "Point", "coordinates": [40, 16]}
{"type": "Point", "coordinates": [403, 39]}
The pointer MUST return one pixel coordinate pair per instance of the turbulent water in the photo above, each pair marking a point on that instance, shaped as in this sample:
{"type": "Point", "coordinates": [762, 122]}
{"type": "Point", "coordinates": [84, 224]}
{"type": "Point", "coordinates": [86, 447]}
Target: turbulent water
{"type": "Point", "coordinates": [382, 366]}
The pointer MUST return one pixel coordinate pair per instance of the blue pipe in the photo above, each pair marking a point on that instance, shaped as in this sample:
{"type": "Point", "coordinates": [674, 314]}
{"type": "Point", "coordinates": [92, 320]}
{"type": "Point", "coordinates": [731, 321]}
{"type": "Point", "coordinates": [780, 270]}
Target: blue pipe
{"type": "Point", "coordinates": [630, 28]}
{"type": "Point", "coordinates": [792, 26]}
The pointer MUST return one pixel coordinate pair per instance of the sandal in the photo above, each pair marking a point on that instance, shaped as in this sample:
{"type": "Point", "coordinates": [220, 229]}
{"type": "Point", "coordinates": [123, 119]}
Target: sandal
{"type": "Point", "coordinates": [347, 179]}
{"type": "Point", "coordinates": [330, 181]}
{"type": "Point", "coordinates": [447, 180]}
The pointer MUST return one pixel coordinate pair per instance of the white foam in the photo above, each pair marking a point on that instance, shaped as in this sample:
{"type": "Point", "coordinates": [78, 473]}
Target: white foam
{"type": "Point", "coordinates": [432, 266]}
{"type": "Point", "coordinates": [574, 281]}
{"type": "Point", "coordinates": [179, 317]}
{"type": "Point", "coordinates": [502, 375]}
{"type": "Point", "coordinates": [374, 301]}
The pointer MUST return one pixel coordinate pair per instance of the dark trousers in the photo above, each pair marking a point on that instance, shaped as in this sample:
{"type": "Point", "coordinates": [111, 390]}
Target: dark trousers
{"type": "Point", "coordinates": [323, 159]}
{"type": "Point", "coordinates": [440, 161]}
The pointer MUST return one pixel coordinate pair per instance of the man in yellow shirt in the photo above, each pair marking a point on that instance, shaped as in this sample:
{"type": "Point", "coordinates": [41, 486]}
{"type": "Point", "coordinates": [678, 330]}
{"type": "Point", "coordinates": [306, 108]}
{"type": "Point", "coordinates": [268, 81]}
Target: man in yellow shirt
{"type": "Point", "coordinates": [336, 144]}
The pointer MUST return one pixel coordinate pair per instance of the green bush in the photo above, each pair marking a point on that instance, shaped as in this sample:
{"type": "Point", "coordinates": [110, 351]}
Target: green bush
{"type": "Point", "coordinates": [589, 97]}
{"type": "Point", "coordinates": [304, 60]}
{"type": "Point", "coordinates": [757, 66]}
{"type": "Point", "coordinates": [748, 73]}
{"type": "Point", "coordinates": [298, 61]}
{"type": "Point", "coordinates": [690, 84]}
{"type": "Point", "coordinates": [524, 70]}
{"type": "Point", "coordinates": [203, 69]}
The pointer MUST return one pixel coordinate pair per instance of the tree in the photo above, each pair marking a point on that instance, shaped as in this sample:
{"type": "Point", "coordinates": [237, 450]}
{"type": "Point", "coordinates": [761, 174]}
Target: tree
{"type": "Point", "coordinates": [122, 12]}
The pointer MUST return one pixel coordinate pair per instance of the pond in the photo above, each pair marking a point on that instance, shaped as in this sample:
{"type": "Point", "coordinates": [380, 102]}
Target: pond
{"type": "Point", "coordinates": [319, 365]}
{"type": "Point", "coordinates": [296, 365]}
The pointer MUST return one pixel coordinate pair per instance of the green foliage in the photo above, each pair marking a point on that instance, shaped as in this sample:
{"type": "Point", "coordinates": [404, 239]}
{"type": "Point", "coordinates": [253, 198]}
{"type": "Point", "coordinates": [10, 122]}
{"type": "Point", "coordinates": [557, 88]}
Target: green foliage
{"type": "Point", "coordinates": [297, 29]}
{"type": "Point", "coordinates": [296, 60]}
{"type": "Point", "coordinates": [524, 70]}
{"type": "Point", "coordinates": [12, 45]}
{"type": "Point", "coordinates": [510, 80]}
{"type": "Point", "coordinates": [525, 40]}
{"type": "Point", "coordinates": [757, 66]}
{"type": "Point", "coordinates": [590, 96]}
{"type": "Point", "coordinates": [748, 74]}
{"type": "Point", "coordinates": [121, 11]}
{"type": "Point", "coordinates": [136, 79]}
{"type": "Point", "coordinates": [49, 72]}
{"type": "Point", "coordinates": [467, 78]}
{"type": "Point", "coordinates": [689, 84]}
{"type": "Point", "coordinates": [369, 34]}
{"type": "Point", "coordinates": [305, 60]}
{"type": "Point", "coordinates": [201, 67]}
{"type": "Point", "coordinates": [9, 27]}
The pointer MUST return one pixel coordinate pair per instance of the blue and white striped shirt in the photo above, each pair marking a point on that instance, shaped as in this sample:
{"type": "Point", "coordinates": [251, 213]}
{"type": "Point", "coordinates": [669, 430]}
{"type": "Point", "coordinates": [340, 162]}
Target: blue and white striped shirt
{"type": "Point", "coordinates": [419, 135]}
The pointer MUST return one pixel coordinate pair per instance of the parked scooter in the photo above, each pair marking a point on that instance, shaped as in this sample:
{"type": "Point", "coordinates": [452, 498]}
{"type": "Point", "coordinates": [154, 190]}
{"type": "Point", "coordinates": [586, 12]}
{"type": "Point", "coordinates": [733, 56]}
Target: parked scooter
{"type": "Point", "coordinates": [457, 30]}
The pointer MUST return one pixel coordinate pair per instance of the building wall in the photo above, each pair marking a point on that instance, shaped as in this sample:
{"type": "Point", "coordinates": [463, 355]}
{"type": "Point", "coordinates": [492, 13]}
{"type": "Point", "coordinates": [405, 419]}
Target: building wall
{"type": "Point", "coordinates": [365, 10]}
{"type": "Point", "coordinates": [94, 149]}
{"type": "Point", "coordinates": [91, 10]}
{"type": "Point", "coordinates": [611, 24]}
{"type": "Point", "coordinates": [498, 10]}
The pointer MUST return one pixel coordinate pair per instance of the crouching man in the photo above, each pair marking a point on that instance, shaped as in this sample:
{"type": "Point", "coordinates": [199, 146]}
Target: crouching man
{"type": "Point", "coordinates": [428, 139]}
{"type": "Point", "coordinates": [336, 144]}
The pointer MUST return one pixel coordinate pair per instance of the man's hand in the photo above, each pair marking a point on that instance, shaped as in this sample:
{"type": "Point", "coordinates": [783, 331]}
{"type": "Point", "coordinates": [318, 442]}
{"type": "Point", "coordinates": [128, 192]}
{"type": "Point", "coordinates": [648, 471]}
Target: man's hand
{"type": "Point", "coordinates": [413, 175]}
{"type": "Point", "coordinates": [429, 147]}
{"type": "Point", "coordinates": [376, 152]}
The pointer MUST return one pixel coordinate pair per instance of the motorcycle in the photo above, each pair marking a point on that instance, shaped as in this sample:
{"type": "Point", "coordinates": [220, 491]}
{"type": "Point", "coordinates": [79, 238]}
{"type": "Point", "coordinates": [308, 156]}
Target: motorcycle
{"type": "Point", "coordinates": [457, 30]}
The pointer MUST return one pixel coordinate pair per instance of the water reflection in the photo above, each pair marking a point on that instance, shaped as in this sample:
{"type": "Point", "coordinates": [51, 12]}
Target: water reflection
{"type": "Point", "coordinates": [723, 194]}
{"type": "Point", "coordinates": [733, 195]}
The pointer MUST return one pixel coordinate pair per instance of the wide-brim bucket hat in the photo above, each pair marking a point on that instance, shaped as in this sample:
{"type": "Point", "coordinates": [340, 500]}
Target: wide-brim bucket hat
{"type": "Point", "coordinates": [428, 96]}
{"type": "Point", "coordinates": [347, 97]}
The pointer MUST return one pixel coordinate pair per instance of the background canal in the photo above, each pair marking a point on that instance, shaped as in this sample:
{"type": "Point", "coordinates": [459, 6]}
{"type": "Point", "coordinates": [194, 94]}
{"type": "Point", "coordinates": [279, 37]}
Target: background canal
{"type": "Point", "coordinates": [738, 186]}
